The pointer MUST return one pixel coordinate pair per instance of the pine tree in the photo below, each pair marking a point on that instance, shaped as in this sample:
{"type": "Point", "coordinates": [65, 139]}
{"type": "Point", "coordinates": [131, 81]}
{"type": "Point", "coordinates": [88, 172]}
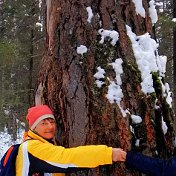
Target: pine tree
{"type": "Point", "coordinates": [93, 79]}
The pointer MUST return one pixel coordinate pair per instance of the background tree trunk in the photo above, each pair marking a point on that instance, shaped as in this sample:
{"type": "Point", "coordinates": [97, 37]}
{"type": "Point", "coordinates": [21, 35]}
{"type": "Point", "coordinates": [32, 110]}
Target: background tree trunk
{"type": "Point", "coordinates": [84, 115]}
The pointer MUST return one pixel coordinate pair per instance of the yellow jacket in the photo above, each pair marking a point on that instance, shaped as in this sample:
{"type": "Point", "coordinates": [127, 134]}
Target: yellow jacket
{"type": "Point", "coordinates": [39, 156]}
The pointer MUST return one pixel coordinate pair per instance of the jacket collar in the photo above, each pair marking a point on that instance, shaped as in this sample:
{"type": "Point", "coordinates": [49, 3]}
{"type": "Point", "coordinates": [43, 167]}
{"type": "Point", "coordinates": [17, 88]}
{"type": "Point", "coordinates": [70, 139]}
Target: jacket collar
{"type": "Point", "coordinates": [32, 135]}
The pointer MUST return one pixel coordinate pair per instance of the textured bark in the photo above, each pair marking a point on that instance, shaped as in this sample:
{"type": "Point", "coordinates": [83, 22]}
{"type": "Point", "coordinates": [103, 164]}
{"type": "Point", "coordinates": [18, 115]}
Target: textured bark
{"type": "Point", "coordinates": [83, 113]}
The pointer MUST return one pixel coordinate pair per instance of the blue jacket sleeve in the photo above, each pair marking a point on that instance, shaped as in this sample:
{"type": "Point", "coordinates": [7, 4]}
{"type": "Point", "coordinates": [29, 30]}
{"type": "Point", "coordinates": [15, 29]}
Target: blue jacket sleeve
{"type": "Point", "coordinates": [150, 165]}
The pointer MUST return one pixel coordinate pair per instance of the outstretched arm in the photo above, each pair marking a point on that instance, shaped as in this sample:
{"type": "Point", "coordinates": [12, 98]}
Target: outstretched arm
{"type": "Point", "coordinates": [148, 165]}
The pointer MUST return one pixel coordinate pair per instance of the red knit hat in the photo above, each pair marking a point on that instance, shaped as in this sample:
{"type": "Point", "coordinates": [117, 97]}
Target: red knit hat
{"type": "Point", "coordinates": [37, 114]}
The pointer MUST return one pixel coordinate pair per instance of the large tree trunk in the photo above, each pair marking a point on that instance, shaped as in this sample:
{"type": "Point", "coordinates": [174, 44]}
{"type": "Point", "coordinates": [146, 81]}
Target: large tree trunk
{"type": "Point", "coordinates": [67, 83]}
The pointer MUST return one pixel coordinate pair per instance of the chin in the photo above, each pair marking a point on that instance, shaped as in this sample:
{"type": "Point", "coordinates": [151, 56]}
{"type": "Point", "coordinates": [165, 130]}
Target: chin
{"type": "Point", "coordinates": [49, 136]}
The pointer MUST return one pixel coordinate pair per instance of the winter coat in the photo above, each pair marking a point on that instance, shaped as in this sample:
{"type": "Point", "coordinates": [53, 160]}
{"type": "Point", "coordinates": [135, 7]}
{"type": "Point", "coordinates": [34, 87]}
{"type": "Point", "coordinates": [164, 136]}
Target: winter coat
{"type": "Point", "coordinates": [150, 165]}
{"type": "Point", "coordinates": [37, 155]}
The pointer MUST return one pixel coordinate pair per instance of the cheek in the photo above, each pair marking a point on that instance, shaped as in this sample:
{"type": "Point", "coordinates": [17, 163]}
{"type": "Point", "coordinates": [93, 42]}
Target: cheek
{"type": "Point", "coordinates": [40, 131]}
{"type": "Point", "coordinates": [54, 127]}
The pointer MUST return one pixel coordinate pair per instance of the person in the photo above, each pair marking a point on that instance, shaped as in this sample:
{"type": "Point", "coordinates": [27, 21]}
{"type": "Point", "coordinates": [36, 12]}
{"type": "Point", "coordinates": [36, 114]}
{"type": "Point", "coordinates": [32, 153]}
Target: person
{"type": "Point", "coordinates": [148, 165]}
{"type": "Point", "coordinates": [39, 155]}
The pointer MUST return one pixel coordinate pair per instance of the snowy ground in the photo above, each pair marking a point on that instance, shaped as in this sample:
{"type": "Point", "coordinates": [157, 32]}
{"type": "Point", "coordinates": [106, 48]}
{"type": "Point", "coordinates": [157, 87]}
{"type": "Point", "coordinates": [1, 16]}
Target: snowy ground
{"type": "Point", "coordinates": [6, 140]}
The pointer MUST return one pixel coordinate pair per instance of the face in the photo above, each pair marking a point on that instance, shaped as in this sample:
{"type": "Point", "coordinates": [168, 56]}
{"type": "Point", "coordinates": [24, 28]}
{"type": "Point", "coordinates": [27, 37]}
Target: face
{"type": "Point", "coordinates": [46, 128]}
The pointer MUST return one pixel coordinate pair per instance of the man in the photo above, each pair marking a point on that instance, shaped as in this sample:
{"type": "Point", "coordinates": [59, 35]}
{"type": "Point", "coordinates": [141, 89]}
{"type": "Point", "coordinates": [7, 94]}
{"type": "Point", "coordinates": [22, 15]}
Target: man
{"type": "Point", "coordinates": [38, 154]}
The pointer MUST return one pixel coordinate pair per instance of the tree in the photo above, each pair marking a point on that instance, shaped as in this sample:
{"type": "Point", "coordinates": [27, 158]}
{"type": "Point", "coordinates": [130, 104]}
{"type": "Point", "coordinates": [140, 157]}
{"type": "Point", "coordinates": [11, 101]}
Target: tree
{"type": "Point", "coordinates": [98, 76]}
{"type": "Point", "coordinates": [20, 52]}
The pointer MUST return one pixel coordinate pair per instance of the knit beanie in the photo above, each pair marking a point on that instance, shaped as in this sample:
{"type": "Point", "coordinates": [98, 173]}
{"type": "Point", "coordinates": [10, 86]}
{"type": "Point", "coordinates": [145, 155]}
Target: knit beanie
{"type": "Point", "coordinates": [37, 113]}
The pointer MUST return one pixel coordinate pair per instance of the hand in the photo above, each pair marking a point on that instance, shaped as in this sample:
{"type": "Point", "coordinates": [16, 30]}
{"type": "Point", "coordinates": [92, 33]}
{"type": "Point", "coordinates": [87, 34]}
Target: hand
{"type": "Point", "coordinates": [118, 154]}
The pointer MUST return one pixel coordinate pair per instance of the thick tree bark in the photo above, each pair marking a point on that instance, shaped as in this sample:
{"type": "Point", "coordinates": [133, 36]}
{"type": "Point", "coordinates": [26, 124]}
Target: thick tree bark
{"type": "Point", "coordinates": [83, 113]}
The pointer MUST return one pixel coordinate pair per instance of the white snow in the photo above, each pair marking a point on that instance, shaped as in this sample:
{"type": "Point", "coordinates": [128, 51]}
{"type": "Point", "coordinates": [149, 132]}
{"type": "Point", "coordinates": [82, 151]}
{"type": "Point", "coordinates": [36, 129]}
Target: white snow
{"type": "Point", "coordinates": [136, 119]}
{"type": "Point", "coordinates": [39, 24]}
{"type": "Point", "coordinates": [161, 62]}
{"type": "Point", "coordinates": [40, 3]}
{"type": "Point", "coordinates": [153, 12]}
{"type": "Point", "coordinates": [81, 49]}
{"type": "Point", "coordinates": [174, 19]}
{"type": "Point", "coordinates": [168, 95]}
{"type": "Point", "coordinates": [114, 35]}
{"type": "Point", "coordinates": [99, 75]}
{"type": "Point", "coordinates": [6, 112]}
{"type": "Point", "coordinates": [117, 66]}
{"type": "Point", "coordinates": [144, 48]}
{"type": "Point", "coordinates": [115, 93]}
{"type": "Point", "coordinates": [131, 129]}
{"type": "Point", "coordinates": [160, 4]}
{"type": "Point", "coordinates": [164, 126]}
{"type": "Point", "coordinates": [137, 143]}
{"type": "Point", "coordinates": [6, 140]}
{"type": "Point", "coordinates": [90, 14]}
{"type": "Point", "coordinates": [139, 7]}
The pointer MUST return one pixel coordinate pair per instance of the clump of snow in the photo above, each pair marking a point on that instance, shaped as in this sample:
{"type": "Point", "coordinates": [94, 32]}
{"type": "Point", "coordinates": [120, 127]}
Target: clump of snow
{"type": "Point", "coordinates": [148, 60]}
{"type": "Point", "coordinates": [90, 14]}
{"type": "Point", "coordinates": [114, 94]}
{"type": "Point", "coordinates": [136, 119]}
{"type": "Point", "coordinates": [161, 62]}
{"type": "Point", "coordinates": [6, 112]}
{"type": "Point", "coordinates": [131, 129]}
{"type": "Point", "coordinates": [153, 12]}
{"type": "Point", "coordinates": [156, 106]}
{"type": "Point", "coordinates": [139, 7]}
{"type": "Point", "coordinates": [160, 4]}
{"type": "Point", "coordinates": [144, 48]}
{"type": "Point", "coordinates": [12, 75]}
{"type": "Point", "coordinates": [40, 3]}
{"type": "Point", "coordinates": [117, 66]}
{"type": "Point", "coordinates": [137, 143]}
{"type": "Point", "coordinates": [164, 126]}
{"type": "Point", "coordinates": [39, 24]}
{"type": "Point", "coordinates": [168, 94]}
{"type": "Point", "coordinates": [99, 75]}
{"type": "Point", "coordinates": [114, 35]}
{"type": "Point", "coordinates": [174, 19]}
{"type": "Point", "coordinates": [169, 101]}
{"type": "Point", "coordinates": [81, 49]}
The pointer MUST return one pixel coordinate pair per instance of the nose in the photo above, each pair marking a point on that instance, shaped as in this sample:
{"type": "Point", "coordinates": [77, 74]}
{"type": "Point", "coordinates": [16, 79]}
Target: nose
{"type": "Point", "coordinates": [50, 125]}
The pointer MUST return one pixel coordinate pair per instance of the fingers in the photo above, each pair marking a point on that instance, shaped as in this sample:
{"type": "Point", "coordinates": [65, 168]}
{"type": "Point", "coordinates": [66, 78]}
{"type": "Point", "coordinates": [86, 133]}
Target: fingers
{"type": "Point", "coordinates": [118, 154]}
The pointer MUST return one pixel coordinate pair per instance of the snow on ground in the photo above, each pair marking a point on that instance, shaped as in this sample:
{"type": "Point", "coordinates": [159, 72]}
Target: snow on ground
{"type": "Point", "coordinates": [6, 140]}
